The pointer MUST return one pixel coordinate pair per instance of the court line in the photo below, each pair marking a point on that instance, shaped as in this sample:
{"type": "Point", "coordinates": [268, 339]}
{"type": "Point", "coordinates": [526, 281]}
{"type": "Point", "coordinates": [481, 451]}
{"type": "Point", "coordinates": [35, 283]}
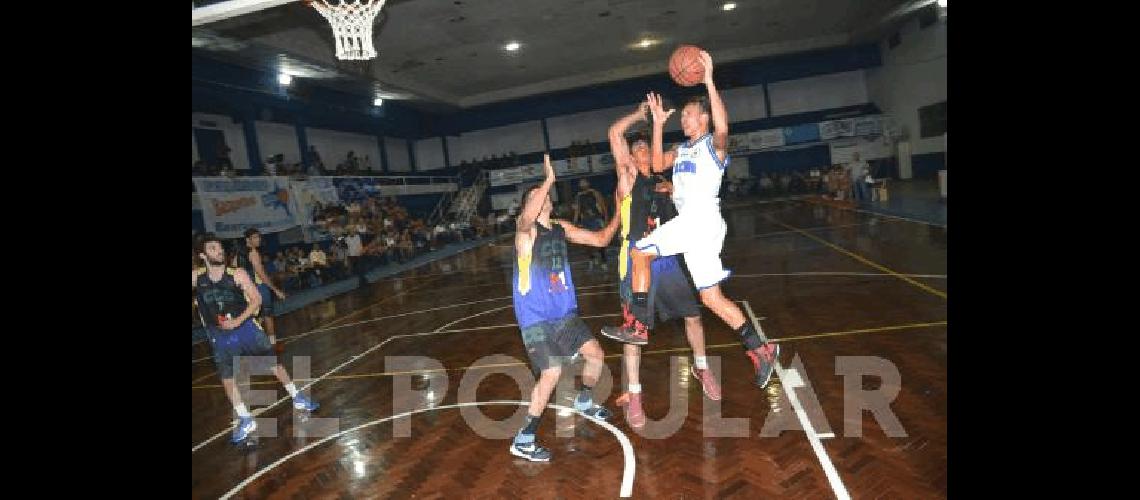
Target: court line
{"type": "Point", "coordinates": [327, 325]}
{"type": "Point", "coordinates": [758, 275]}
{"type": "Point", "coordinates": [916, 221]}
{"type": "Point", "coordinates": [580, 262]}
{"type": "Point", "coordinates": [869, 212]}
{"type": "Point", "coordinates": [401, 293]}
{"type": "Point", "coordinates": [381, 301]}
{"type": "Point", "coordinates": [342, 365]}
{"type": "Point", "coordinates": [368, 351]}
{"type": "Point", "coordinates": [862, 259]}
{"type": "Point", "coordinates": [628, 470]}
{"type": "Point", "coordinates": [815, 228]}
{"type": "Point", "coordinates": [409, 313]}
{"type": "Point", "coordinates": [794, 338]}
{"type": "Point", "coordinates": [837, 486]}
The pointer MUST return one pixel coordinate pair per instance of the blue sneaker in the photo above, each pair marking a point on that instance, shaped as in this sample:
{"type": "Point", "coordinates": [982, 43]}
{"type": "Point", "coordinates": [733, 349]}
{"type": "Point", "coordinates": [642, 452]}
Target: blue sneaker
{"type": "Point", "coordinates": [598, 412]}
{"type": "Point", "coordinates": [529, 450]}
{"type": "Point", "coordinates": [300, 402]}
{"type": "Point", "coordinates": [245, 426]}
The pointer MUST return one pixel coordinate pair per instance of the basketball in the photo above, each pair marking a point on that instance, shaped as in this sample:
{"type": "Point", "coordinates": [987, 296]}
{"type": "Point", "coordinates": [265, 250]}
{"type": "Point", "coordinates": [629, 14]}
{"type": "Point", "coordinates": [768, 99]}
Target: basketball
{"type": "Point", "coordinates": [685, 66]}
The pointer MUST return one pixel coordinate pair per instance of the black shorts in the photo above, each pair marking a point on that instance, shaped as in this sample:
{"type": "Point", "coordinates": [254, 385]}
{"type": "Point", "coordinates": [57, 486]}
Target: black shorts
{"type": "Point", "coordinates": [266, 301]}
{"type": "Point", "coordinates": [554, 343]}
{"type": "Point", "coordinates": [670, 291]}
{"type": "Point", "coordinates": [245, 340]}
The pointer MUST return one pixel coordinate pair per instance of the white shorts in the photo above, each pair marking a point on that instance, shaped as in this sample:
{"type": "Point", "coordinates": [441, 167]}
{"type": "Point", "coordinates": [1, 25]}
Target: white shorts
{"type": "Point", "coordinates": [699, 236]}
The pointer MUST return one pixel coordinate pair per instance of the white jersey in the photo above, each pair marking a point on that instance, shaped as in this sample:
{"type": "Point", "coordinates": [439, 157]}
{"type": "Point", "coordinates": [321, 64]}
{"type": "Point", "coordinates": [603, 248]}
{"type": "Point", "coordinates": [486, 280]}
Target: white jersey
{"type": "Point", "coordinates": [697, 173]}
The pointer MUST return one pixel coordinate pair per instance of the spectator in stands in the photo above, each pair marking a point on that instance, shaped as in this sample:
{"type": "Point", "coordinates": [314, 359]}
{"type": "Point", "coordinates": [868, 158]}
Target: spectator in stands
{"type": "Point", "coordinates": [366, 164]}
{"type": "Point", "coordinates": [338, 260]}
{"type": "Point", "coordinates": [478, 226]}
{"type": "Point", "coordinates": [316, 166]}
{"type": "Point", "coordinates": [299, 265]}
{"type": "Point", "coordinates": [407, 250]}
{"type": "Point", "coordinates": [438, 235]}
{"type": "Point", "coordinates": [785, 182]}
{"type": "Point", "coordinates": [318, 265]}
{"type": "Point", "coordinates": [278, 165]}
{"type": "Point", "coordinates": [336, 228]}
{"type": "Point", "coordinates": [815, 177]}
{"type": "Point", "coordinates": [355, 248]}
{"type": "Point", "coordinates": [453, 234]}
{"type": "Point", "coordinates": [766, 183]}
{"type": "Point", "coordinates": [373, 207]}
{"type": "Point", "coordinates": [375, 253]}
{"type": "Point", "coordinates": [311, 276]}
{"type": "Point", "coordinates": [223, 156]}
{"type": "Point", "coordinates": [798, 185]}
{"type": "Point", "coordinates": [348, 166]}
{"type": "Point", "coordinates": [840, 184]}
{"type": "Point", "coordinates": [858, 172]}
{"type": "Point", "coordinates": [390, 246]}
{"type": "Point", "coordinates": [869, 184]}
{"type": "Point", "coordinates": [372, 226]}
{"type": "Point", "coordinates": [281, 270]}
{"type": "Point", "coordinates": [318, 257]}
{"type": "Point", "coordinates": [421, 239]}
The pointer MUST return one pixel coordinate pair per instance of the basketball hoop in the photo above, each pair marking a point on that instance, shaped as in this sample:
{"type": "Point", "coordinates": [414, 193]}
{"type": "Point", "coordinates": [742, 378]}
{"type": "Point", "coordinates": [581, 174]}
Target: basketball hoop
{"type": "Point", "coordinates": [351, 22]}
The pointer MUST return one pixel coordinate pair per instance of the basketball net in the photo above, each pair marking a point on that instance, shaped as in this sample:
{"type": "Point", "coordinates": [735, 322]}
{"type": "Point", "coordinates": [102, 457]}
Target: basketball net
{"type": "Point", "coordinates": [351, 22]}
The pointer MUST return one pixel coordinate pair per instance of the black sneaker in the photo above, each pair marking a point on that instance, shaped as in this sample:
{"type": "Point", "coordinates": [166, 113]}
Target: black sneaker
{"type": "Point", "coordinates": [530, 451]}
{"type": "Point", "coordinates": [764, 360]}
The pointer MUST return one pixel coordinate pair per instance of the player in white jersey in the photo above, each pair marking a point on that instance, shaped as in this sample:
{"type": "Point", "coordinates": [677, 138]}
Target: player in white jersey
{"type": "Point", "coordinates": [698, 230]}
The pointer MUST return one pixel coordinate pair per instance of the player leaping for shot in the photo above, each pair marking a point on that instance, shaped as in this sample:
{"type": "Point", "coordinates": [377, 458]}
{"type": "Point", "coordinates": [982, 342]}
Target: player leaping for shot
{"type": "Point", "coordinates": [698, 230]}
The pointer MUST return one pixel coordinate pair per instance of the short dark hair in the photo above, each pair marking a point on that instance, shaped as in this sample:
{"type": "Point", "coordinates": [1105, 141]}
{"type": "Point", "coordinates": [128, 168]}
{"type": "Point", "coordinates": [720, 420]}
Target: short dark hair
{"type": "Point", "coordinates": [702, 101]}
{"type": "Point", "coordinates": [202, 239]}
{"type": "Point", "coordinates": [251, 231]}
{"type": "Point", "coordinates": [637, 136]}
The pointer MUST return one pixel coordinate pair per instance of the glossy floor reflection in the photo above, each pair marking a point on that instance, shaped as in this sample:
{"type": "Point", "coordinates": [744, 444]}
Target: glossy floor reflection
{"type": "Point", "coordinates": [837, 287]}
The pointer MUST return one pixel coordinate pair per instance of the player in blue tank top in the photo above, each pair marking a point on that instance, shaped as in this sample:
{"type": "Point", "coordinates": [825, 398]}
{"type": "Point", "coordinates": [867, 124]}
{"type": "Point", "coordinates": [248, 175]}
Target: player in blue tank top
{"type": "Point", "coordinates": [547, 310]}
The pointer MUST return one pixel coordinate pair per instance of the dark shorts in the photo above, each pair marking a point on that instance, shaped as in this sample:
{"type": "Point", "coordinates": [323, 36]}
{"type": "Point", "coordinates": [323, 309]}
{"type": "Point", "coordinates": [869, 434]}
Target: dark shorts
{"type": "Point", "coordinates": [551, 344]}
{"type": "Point", "coordinates": [245, 340]}
{"type": "Point", "coordinates": [266, 301]}
{"type": "Point", "coordinates": [670, 291]}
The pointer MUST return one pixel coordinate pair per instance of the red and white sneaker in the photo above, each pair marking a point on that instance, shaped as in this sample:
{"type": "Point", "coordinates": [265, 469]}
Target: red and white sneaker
{"type": "Point", "coordinates": [634, 415]}
{"type": "Point", "coordinates": [708, 383]}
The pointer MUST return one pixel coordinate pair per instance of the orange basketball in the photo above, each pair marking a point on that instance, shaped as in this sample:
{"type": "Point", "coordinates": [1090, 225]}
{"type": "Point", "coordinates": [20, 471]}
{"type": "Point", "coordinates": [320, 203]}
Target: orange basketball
{"type": "Point", "coordinates": [685, 66]}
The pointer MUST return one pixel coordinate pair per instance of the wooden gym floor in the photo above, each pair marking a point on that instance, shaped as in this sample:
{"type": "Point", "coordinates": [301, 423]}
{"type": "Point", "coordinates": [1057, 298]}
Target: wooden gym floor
{"type": "Point", "coordinates": [831, 285]}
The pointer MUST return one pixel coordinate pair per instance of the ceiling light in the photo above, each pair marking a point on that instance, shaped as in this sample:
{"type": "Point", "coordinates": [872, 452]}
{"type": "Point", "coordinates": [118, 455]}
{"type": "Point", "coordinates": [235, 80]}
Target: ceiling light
{"type": "Point", "coordinates": [284, 79]}
{"type": "Point", "coordinates": [732, 5]}
{"type": "Point", "coordinates": [377, 101]}
{"type": "Point", "coordinates": [513, 46]}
